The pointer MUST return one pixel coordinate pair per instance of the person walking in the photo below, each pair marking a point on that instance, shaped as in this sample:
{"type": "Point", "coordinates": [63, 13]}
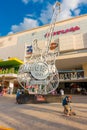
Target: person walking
{"type": "Point", "coordinates": [66, 104]}
{"type": "Point", "coordinates": [62, 94]}
{"type": "Point", "coordinates": [18, 95]}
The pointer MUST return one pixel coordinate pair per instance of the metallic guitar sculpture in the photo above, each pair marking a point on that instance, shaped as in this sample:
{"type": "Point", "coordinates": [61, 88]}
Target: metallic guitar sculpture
{"type": "Point", "coordinates": [39, 75]}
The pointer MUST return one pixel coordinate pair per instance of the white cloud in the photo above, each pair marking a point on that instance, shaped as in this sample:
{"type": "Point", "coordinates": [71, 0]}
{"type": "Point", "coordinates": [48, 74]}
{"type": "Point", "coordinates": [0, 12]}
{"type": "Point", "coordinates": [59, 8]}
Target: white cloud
{"type": "Point", "coordinates": [66, 7]}
{"type": "Point", "coordinates": [25, 1]}
{"type": "Point", "coordinates": [29, 15]}
{"type": "Point", "coordinates": [84, 1]}
{"type": "Point", "coordinates": [38, 1]}
{"type": "Point", "coordinates": [26, 24]}
{"type": "Point", "coordinates": [77, 12]}
{"type": "Point", "coordinates": [46, 14]}
{"type": "Point", "coordinates": [65, 14]}
{"type": "Point", "coordinates": [67, 4]}
{"type": "Point", "coordinates": [10, 33]}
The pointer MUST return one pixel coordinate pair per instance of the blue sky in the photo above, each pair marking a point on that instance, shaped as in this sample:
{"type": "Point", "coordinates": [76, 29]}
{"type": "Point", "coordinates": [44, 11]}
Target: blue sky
{"type": "Point", "coordinates": [19, 15]}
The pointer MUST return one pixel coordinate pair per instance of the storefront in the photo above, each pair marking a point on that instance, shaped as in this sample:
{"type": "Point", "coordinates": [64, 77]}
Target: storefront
{"type": "Point", "coordinates": [8, 74]}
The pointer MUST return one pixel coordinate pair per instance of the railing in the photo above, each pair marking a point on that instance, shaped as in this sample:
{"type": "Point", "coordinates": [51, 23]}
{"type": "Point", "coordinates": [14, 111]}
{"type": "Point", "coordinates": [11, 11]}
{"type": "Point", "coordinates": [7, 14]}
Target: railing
{"type": "Point", "coordinates": [8, 71]}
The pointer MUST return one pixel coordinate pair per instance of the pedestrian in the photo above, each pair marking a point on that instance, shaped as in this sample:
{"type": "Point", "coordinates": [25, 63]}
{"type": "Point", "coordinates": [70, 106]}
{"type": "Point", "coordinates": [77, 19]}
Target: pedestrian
{"type": "Point", "coordinates": [66, 104]}
{"type": "Point", "coordinates": [62, 93]}
{"type": "Point", "coordinates": [18, 95]}
{"type": "Point", "coordinates": [1, 91]}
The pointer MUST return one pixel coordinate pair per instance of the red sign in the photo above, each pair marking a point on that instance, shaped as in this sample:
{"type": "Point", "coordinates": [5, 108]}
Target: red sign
{"type": "Point", "coordinates": [72, 29]}
{"type": "Point", "coordinates": [40, 98]}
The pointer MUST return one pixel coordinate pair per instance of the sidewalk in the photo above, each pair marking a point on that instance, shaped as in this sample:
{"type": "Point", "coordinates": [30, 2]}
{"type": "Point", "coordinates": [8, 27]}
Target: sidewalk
{"type": "Point", "coordinates": [48, 116]}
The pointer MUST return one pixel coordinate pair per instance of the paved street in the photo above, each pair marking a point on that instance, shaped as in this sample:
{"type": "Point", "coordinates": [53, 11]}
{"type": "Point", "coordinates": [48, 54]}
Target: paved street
{"type": "Point", "coordinates": [42, 116]}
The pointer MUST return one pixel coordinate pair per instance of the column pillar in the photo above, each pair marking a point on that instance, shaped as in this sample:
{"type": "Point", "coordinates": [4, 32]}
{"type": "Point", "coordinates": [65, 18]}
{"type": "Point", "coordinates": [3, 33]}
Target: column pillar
{"type": "Point", "coordinates": [11, 86]}
{"type": "Point", "coordinates": [85, 69]}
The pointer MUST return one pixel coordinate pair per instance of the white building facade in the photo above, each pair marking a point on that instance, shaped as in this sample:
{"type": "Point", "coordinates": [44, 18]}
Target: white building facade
{"type": "Point", "coordinates": [72, 37]}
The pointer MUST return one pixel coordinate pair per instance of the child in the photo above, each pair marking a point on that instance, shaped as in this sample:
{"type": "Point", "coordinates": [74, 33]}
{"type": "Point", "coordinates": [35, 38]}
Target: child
{"type": "Point", "coordinates": [67, 106]}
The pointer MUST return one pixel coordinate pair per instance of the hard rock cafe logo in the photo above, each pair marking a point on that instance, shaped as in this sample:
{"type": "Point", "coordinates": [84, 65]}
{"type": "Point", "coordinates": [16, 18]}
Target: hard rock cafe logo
{"type": "Point", "coordinates": [40, 70]}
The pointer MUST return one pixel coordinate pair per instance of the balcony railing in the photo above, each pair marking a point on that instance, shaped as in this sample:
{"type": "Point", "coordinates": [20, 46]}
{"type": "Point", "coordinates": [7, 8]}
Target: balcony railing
{"type": "Point", "coordinates": [8, 71]}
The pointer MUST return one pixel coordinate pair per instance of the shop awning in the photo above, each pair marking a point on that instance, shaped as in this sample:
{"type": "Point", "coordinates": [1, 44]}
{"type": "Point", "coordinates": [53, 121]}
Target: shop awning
{"type": "Point", "coordinates": [11, 62]}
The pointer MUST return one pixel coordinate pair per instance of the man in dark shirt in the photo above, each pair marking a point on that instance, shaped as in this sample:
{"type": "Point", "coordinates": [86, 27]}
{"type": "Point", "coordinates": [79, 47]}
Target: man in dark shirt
{"type": "Point", "coordinates": [66, 105]}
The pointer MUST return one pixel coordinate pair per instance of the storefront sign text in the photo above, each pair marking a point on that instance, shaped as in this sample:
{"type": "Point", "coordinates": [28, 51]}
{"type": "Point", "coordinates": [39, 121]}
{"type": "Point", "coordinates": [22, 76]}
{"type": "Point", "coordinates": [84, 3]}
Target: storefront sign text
{"type": "Point", "coordinates": [71, 76]}
{"type": "Point", "coordinates": [72, 29]}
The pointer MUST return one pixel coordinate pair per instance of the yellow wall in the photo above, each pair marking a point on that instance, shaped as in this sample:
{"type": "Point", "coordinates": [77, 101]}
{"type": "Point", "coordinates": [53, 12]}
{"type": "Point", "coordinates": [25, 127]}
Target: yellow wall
{"type": "Point", "coordinates": [85, 69]}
